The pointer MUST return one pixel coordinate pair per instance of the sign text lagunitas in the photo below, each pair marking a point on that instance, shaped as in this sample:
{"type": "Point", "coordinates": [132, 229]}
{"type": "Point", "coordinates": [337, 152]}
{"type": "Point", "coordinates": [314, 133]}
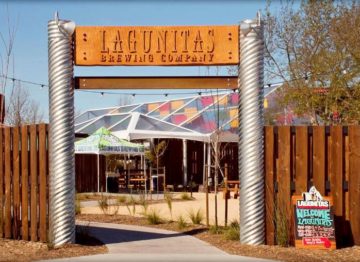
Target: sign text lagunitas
{"type": "Point", "coordinates": [156, 45]}
{"type": "Point", "coordinates": [314, 221]}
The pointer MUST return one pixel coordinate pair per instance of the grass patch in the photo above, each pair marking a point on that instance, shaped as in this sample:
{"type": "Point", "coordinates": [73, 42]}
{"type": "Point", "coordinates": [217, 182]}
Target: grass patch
{"type": "Point", "coordinates": [216, 230]}
{"type": "Point", "coordinates": [153, 217]}
{"type": "Point", "coordinates": [121, 199]}
{"type": "Point", "coordinates": [144, 203]}
{"type": "Point", "coordinates": [185, 196]}
{"type": "Point", "coordinates": [103, 204]}
{"type": "Point", "coordinates": [196, 216]}
{"type": "Point", "coordinates": [282, 228]}
{"type": "Point", "coordinates": [233, 231]}
{"type": "Point", "coordinates": [169, 199]}
{"type": "Point", "coordinates": [181, 223]}
{"type": "Point", "coordinates": [131, 205]}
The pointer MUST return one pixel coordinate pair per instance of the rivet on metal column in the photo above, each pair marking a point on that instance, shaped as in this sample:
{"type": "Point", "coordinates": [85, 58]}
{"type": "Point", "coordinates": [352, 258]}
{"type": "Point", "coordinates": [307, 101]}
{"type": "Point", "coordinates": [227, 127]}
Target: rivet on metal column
{"type": "Point", "coordinates": [251, 80]}
{"type": "Point", "coordinates": [61, 133]}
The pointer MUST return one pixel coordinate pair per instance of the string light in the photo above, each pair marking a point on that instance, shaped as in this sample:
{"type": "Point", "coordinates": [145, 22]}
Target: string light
{"type": "Point", "coordinates": [102, 93]}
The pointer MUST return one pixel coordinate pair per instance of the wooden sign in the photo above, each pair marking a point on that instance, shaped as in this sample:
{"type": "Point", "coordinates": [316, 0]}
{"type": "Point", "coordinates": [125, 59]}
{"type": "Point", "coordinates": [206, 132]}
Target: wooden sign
{"type": "Point", "coordinates": [156, 45]}
{"type": "Point", "coordinates": [314, 221]}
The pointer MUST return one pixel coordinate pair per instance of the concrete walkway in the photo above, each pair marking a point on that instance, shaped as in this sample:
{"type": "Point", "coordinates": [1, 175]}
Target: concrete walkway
{"type": "Point", "coordinates": [136, 243]}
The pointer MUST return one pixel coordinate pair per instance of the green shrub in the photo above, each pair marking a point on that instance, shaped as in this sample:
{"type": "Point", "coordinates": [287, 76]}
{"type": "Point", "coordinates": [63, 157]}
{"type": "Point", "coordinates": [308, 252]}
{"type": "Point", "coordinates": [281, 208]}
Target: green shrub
{"type": "Point", "coordinates": [181, 223]}
{"type": "Point", "coordinates": [153, 217]}
{"type": "Point", "coordinates": [215, 230]}
{"type": "Point", "coordinates": [185, 196]}
{"type": "Point", "coordinates": [196, 217]}
{"type": "Point", "coordinates": [282, 229]}
{"type": "Point", "coordinates": [169, 198]}
{"type": "Point", "coordinates": [143, 202]}
{"type": "Point", "coordinates": [103, 204]}
{"type": "Point", "coordinates": [121, 199]}
{"type": "Point", "coordinates": [131, 202]}
{"type": "Point", "coordinates": [233, 231]}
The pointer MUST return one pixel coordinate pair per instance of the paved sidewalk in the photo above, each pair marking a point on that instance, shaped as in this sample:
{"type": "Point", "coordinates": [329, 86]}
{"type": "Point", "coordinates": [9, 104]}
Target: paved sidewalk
{"type": "Point", "coordinates": [136, 243]}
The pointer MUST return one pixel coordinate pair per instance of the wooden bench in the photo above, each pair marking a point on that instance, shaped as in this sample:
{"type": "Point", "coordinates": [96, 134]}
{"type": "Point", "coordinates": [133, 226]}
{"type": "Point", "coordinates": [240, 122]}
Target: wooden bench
{"type": "Point", "coordinates": [232, 186]}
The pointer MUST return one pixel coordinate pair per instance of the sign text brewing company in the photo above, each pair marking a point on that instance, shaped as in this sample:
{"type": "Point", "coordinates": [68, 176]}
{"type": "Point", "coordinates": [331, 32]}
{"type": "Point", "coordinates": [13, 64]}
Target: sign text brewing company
{"type": "Point", "coordinates": [157, 45]}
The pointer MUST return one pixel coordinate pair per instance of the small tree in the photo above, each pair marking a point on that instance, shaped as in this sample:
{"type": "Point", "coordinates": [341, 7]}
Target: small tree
{"type": "Point", "coordinates": [155, 154]}
{"type": "Point", "coordinates": [21, 109]}
{"type": "Point", "coordinates": [315, 51]}
{"type": "Point", "coordinates": [7, 37]}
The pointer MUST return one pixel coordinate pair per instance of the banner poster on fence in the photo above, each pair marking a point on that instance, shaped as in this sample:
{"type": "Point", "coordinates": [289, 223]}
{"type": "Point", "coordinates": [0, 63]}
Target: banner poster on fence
{"type": "Point", "coordinates": [314, 221]}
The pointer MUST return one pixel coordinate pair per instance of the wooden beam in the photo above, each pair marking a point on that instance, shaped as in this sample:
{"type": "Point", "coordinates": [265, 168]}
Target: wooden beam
{"type": "Point", "coordinates": [170, 82]}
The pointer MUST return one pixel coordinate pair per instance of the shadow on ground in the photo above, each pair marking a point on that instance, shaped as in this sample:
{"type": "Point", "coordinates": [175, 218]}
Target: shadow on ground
{"type": "Point", "coordinates": [113, 236]}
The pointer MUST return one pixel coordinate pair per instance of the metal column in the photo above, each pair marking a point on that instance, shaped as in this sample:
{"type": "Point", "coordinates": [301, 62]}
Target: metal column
{"type": "Point", "coordinates": [251, 80]}
{"type": "Point", "coordinates": [185, 162]}
{"type": "Point", "coordinates": [61, 134]}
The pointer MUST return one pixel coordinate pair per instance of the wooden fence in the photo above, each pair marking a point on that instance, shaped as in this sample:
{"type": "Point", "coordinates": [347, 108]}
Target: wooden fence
{"type": "Point", "coordinates": [24, 182]}
{"type": "Point", "coordinates": [299, 157]}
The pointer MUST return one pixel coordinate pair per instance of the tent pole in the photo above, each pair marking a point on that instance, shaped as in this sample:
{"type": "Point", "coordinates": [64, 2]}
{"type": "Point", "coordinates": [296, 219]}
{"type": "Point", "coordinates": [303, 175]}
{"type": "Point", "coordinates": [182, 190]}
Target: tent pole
{"type": "Point", "coordinates": [204, 161]}
{"type": "Point", "coordinates": [209, 161]}
{"type": "Point", "coordinates": [98, 173]}
{"type": "Point", "coordinates": [106, 176]}
{"type": "Point", "coordinates": [185, 162]}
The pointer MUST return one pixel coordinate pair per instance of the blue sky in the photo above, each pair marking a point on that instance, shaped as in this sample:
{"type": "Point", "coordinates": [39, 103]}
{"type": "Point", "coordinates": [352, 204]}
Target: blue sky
{"type": "Point", "coordinates": [30, 50]}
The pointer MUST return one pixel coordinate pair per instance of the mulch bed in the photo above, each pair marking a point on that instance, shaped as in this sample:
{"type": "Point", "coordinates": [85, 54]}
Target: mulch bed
{"type": "Point", "coordinates": [20, 250]}
{"type": "Point", "coordinates": [234, 247]}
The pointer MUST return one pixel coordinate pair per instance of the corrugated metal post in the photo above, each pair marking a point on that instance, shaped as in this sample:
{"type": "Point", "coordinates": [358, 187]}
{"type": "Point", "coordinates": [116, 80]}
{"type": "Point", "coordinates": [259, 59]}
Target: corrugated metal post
{"type": "Point", "coordinates": [251, 81]}
{"type": "Point", "coordinates": [61, 134]}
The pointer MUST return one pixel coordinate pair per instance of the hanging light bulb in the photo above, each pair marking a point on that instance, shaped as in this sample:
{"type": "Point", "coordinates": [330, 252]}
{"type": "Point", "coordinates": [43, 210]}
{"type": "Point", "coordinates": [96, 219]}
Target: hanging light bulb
{"type": "Point", "coordinates": [306, 77]}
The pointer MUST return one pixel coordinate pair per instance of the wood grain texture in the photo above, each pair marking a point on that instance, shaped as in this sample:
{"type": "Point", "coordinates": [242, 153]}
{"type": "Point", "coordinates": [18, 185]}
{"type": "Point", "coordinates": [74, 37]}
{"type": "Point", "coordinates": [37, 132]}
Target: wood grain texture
{"type": "Point", "coordinates": [24, 183]}
{"type": "Point", "coordinates": [7, 182]}
{"type": "Point", "coordinates": [156, 45]}
{"type": "Point", "coordinates": [354, 183]}
{"type": "Point", "coordinates": [319, 159]}
{"type": "Point", "coordinates": [269, 185]}
{"type": "Point", "coordinates": [169, 82]}
{"type": "Point", "coordinates": [2, 179]}
{"type": "Point", "coordinates": [42, 183]}
{"type": "Point", "coordinates": [284, 177]}
{"type": "Point", "coordinates": [16, 183]}
{"type": "Point", "coordinates": [301, 159]}
{"type": "Point", "coordinates": [34, 184]}
{"type": "Point", "coordinates": [337, 168]}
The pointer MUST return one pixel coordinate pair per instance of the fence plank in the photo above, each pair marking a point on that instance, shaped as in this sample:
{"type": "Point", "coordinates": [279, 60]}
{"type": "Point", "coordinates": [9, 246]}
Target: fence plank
{"type": "Point", "coordinates": [284, 177]}
{"type": "Point", "coordinates": [354, 182]}
{"type": "Point", "coordinates": [1, 184]}
{"type": "Point", "coordinates": [33, 177]}
{"type": "Point", "coordinates": [319, 158]}
{"type": "Point", "coordinates": [7, 182]}
{"type": "Point", "coordinates": [346, 175]}
{"type": "Point", "coordinates": [16, 183]}
{"type": "Point", "coordinates": [42, 176]}
{"type": "Point", "coordinates": [336, 178]}
{"type": "Point", "coordinates": [301, 159]}
{"type": "Point", "coordinates": [24, 184]}
{"type": "Point", "coordinates": [269, 184]}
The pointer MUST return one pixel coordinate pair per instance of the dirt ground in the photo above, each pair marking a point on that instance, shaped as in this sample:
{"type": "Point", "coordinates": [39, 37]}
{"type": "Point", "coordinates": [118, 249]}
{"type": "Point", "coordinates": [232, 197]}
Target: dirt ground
{"type": "Point", "coordinates": [17, 250]}
{"type": "Point", "coordinates": [20, 250]}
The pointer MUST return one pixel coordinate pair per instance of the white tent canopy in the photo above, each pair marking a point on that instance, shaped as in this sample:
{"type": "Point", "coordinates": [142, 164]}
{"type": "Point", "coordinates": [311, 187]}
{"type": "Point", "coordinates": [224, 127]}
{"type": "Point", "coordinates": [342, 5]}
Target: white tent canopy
{"type": "Point", "coordinates": [136, 126]}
